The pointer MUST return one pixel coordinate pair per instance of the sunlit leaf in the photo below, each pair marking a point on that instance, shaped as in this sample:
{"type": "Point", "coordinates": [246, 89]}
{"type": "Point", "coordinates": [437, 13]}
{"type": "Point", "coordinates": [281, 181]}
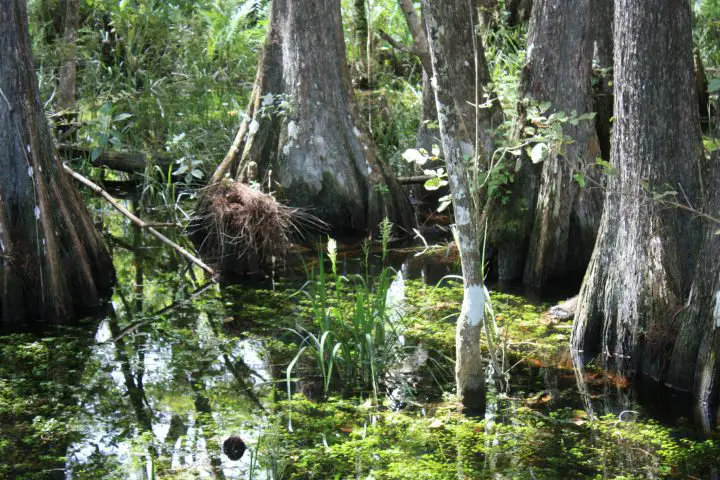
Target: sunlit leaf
{"type": "Point", "coordinates": [539, 152]}
{"type": "Point", "coordinates": [413, 155]}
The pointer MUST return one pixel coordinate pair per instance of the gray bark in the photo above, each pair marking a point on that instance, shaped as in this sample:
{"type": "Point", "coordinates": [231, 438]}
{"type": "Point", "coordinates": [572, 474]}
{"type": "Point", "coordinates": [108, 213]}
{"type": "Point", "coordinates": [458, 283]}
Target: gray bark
{"type": "Point", "coordinates": [53, 264]}
{"type": "Point", "coordinates": [360, 20]}
{"type": "Point", "coordinates": [695, 364]}
{"type": "Point", "coordinates": [520, 11]}
{"type": "Point", "coordinates": [558, 69]}
{"type": "Point", "coordinates": [639, 273]}
{"type": "Point", "coordinates": [305, 131]}
{"type": "Point", "coordinates": [68, 69]}
{"type": "Point", "coordinates": [603, 90]}
{"type": "Point", "coordinates": [603, 32]}
{"type": "Point", "coordinates": [451, 24]}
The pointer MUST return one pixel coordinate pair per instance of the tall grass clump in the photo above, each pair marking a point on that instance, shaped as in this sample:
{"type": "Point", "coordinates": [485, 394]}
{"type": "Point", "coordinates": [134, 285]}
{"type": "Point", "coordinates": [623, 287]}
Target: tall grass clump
{"type": "Point", "coordinates": [354, 340]}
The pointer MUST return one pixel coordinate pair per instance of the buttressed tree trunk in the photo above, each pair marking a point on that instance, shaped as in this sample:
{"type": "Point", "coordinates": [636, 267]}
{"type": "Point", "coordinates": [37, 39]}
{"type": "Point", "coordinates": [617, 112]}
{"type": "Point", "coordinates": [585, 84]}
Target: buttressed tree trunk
{"type": "Point", "coordinates": [639, 272]}
{"type": "Point", "coordinates": [695, 363]}
{"type": "Point", "coordinates": [558, 69]}
{"type": "Point", "coordinates": [451, 34]}
{"type": "Point", "coordinates": [304, 132]}
{"type": "Point", "coordinates": [53, 264]}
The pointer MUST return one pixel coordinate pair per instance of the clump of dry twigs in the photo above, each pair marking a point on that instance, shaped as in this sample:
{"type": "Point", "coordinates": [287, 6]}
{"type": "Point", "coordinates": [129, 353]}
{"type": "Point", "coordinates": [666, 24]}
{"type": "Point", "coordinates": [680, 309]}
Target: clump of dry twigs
{"type": "Point", "coordinates": [242, 230]}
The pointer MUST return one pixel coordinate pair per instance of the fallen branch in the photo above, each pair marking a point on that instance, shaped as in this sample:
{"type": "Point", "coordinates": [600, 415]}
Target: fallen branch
{"type": "Point", "coordinates": [130, 162]}
{"type": "Point", "coordinates": [414, 180]}
{"type": "Point", "coordinates": [140, 223]}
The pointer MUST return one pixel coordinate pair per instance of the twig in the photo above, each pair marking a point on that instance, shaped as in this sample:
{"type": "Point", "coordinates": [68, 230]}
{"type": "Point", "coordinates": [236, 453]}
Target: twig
{"type": "Point", "coordinates": [140, 223]}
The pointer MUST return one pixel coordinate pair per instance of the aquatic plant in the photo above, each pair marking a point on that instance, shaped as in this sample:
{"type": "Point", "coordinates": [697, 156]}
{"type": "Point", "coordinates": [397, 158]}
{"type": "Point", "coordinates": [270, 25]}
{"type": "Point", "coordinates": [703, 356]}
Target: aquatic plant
{"type": "Point", "coordinates": [355, 343]}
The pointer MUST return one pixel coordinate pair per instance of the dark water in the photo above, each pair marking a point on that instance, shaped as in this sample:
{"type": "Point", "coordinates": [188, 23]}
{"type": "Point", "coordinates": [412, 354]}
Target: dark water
{"type": "Point", "coordinates": [153, 388]}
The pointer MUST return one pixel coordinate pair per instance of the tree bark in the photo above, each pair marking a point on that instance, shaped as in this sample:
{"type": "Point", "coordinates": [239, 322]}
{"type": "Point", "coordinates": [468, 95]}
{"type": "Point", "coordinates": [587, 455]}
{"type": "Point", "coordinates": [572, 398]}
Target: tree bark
{"type": "Point", "coordinates": [639, 273]}
{"type": "Point", "coordinates": [695, 365]}
{"type": "Point", "coordinates": [53, 264]}
{"type": "Point", "coordinates": [558, 68]}
{"type": "Point", "coordinates": [305, 132]}
{"type": "Point", "coordinates": [360, 20]}
{"type": "Point", "coordinates": [457, 72]}
{"type": "Point", "coordinates": [520, 11]}
{"type": "Point", "coordinates": [602, 86]}
{"type": "Point", "coordinates": [68, 69]}
{"type": "Point", "coordinates": [603, 32]}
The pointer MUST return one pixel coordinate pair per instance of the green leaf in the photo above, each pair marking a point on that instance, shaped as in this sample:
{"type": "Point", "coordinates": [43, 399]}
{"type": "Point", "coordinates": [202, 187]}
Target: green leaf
{"type": "Point", "coordinates": [121, 116]}
{"type": "Point", "coordinates": [183, 168]}
{"type": "Point", "coordinates": [197, 173]}
{"type": "Point", "coordinates": [580, 179]}
{"type": "Point", "coordinates": [95, 154]}
{"type": "Point", "coordinates": [433, 184]}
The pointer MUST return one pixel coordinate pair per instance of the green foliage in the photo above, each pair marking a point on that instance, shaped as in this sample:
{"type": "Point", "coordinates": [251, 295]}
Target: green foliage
{"type": "Point", "coordinates": [345, 439]}
{"type": "Point", "coordinates": [357, 341]}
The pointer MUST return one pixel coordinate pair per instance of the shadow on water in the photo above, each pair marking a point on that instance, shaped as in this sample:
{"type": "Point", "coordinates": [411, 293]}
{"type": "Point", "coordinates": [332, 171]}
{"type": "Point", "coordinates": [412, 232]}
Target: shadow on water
{"type": "Point", "coordinates": [178, 366]}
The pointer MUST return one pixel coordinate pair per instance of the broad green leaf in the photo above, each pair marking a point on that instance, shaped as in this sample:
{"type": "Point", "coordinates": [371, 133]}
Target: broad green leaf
{"type": "Point", "coordinates": [433, 184]}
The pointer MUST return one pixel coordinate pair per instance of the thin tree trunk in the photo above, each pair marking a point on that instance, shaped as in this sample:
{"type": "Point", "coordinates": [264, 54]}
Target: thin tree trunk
{"type": "Point", "coordinates": [520, 11]}
{"type": "Point", "coordinates": [603, 89]}
{"type": "Point", "coordinates": [558, 69]}
{"type": "Point", "coordinates": [428, 133]}
{"type": "Point", "coordinates": [305, 133]}
{"type": "Point", "coordinates": [360, 20]}
{"type": "Point", "coordinates": [53, 264]}
{"type": "Point", "coordinates": [603, 32]}
{"type": "Point", "coordinates": [456, 71]}
{"type": "Point", "coordinates": [639, 273]}
{"type": "Point", "coordinates": [68, 69]}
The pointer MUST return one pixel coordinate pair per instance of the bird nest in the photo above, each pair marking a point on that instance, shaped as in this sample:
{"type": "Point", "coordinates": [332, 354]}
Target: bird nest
{"type": "Point", "coordinates": [242, 230]}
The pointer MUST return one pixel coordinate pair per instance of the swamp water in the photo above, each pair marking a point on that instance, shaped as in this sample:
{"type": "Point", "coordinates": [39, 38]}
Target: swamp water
{"type": "Point", "coordinates": [176, 367]}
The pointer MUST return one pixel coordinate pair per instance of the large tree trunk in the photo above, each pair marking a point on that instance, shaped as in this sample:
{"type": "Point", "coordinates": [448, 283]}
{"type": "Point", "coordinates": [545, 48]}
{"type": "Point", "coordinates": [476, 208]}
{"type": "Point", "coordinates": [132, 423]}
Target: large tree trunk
{"type": "Point", "coordinates": [451, 31]}
{"type": "Point", "coordinates": [639, 273]}
{"type": "Point", "coordinates": [695, 363]}
{"type": "Point", "coordinates": [558, 68]}
{"type": "Point", "coordinates": [53, 264]}
{"type": "Point", "coordinates": [304, 132]}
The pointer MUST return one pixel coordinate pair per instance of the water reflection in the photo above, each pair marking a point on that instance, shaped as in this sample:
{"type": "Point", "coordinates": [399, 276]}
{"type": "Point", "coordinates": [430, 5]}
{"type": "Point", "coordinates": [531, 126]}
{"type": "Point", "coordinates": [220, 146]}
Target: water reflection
{"type": "Point", "coordinates": [178, 366]}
